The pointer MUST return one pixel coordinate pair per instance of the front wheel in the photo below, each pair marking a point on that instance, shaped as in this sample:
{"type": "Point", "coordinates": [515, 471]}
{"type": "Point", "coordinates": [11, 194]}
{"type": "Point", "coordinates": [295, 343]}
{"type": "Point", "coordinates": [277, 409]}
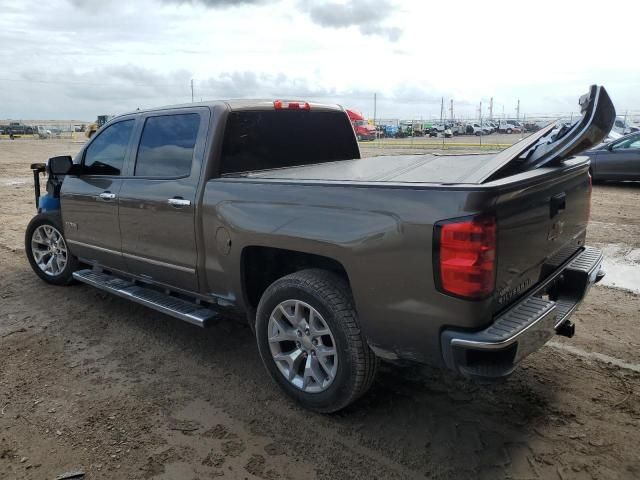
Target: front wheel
{"type": "Point", "coordinates": [47, 250]}
{"type": "Point", "coordinates": [310, 340]}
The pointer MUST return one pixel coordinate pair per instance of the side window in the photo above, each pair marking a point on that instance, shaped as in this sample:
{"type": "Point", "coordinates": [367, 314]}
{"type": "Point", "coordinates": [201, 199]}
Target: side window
{"type": "Point", "coordinates": [105, 155]}
{"type": "Point", "coordinates": [166, 146]}
{"type": "Point", "coordinates": [632, 142]}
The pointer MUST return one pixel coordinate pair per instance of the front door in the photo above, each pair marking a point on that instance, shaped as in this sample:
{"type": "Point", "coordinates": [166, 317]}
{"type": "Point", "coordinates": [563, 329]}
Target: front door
{"type": "Point", "coordinates": [90, 200]}
{"type": "Point", "coordinates": [157, 200]}
{"type": "Point", "coordinates": [622, 161]}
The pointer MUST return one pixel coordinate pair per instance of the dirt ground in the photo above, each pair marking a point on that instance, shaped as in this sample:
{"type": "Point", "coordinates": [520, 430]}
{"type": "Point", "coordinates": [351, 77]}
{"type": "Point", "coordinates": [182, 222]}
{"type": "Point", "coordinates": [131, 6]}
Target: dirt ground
{"type": "Point", "coordinates": [90, 382]}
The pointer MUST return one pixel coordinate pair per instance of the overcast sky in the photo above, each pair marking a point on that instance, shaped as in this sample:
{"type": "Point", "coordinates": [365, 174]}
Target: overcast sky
{"type": "Point", "coordinates": [75, 59]}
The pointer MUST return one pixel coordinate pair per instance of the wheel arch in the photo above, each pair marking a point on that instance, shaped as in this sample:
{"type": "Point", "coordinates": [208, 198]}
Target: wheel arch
{"type": "Point", "coordinates": [261, 266]}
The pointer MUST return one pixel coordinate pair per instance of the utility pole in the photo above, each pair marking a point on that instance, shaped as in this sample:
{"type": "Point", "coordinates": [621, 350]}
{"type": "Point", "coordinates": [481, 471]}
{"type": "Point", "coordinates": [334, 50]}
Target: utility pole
{"type": "Point", "coordinates": [451, 109]}
{"type": "Point", "coordinates": [491, 109]}
{"type": "Point", "coordinates": [442, 118]}
{"type": "Point", "coordinates": [480, 118]}
{"type": "Point", "coordinates": [192, 90]}
{"type": "Point", "coordinates": [518, 110]}
{"type": "Point", "coordinates": [375, 101]}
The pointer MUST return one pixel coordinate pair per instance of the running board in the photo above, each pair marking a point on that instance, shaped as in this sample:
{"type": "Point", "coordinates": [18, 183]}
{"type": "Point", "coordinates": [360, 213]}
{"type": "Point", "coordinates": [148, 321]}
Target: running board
{"type": "Point", "coordinates": [176, 307]}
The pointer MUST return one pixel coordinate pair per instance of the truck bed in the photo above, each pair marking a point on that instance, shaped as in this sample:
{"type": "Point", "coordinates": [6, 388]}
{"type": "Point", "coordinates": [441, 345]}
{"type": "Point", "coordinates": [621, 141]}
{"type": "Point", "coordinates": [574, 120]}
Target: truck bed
{"type": "Point", "coordinates": [430, 168]}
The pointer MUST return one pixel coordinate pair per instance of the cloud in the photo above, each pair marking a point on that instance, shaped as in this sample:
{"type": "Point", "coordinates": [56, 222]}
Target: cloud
{"type": "Point", "coordinates": [118, 89]}
{"type": "Point", "coordinates": [220, 3]}
{"type": "Point", "coordinates": [367, 15]}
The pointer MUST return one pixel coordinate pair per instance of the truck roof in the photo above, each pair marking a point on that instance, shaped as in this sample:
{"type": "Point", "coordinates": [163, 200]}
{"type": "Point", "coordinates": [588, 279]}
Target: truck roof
{"type": "Point", "coordinates": [238, 105]}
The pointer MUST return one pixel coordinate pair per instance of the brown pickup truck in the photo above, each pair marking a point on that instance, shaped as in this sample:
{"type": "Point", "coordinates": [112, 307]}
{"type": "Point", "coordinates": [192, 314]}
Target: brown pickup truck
{"type": "Point", "coordinates": [264, 211]}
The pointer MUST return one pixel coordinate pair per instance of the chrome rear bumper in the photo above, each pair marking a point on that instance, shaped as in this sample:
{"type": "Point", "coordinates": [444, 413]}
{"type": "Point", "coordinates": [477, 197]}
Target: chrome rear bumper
{"type": "Point", "coordinates": [493, 353]}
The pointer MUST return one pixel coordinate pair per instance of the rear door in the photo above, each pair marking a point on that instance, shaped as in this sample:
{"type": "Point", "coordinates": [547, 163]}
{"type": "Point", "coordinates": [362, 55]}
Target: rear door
{"type": "Point", "coordinates": [157, 200]}
{"type": "Point", "coordinates": [90, 200]}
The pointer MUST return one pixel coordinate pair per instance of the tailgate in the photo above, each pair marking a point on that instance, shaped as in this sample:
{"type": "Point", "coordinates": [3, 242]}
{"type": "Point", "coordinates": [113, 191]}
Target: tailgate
{"type": "Point", "coordinates": [539, 228]}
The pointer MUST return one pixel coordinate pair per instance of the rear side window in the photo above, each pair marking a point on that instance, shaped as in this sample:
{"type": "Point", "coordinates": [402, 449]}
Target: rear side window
{"type": "Point", "coordinates": [261, 140]}
{"type": "Point", "coordinates": [166, 146]}
{"type": "Point", "coordinates": [105, 155]}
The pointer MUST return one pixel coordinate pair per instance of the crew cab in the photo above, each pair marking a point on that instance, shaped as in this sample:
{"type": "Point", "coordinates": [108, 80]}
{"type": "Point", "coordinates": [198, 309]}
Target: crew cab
{"type": "Point", "coordinates": [264, 212]}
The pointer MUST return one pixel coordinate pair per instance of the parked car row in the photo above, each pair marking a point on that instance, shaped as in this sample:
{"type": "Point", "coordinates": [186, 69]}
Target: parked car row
{"type": "Point", "coordinates": [448, 129]}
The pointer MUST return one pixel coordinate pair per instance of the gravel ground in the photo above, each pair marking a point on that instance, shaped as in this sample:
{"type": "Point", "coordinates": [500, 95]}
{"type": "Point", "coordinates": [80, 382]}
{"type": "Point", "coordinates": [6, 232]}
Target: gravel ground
{"type": "Point", "coordinates": [90, 382]}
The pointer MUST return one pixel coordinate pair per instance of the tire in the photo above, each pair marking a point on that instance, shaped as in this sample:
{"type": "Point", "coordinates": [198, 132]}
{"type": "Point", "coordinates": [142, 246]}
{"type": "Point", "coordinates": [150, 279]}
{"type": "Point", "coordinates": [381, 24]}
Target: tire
{"type": "Point", "coordinates": [37, 226]}
{"type": "Point", "coordinates": [509, 131]}
{"type": "Point", "coordinates": [354, 363]}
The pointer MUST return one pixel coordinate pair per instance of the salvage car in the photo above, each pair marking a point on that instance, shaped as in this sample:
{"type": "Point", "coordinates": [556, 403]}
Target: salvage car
{"type": "Point", "coordinates": [263, 211]}
{"type": "Point", "coordinates": [616, 160]}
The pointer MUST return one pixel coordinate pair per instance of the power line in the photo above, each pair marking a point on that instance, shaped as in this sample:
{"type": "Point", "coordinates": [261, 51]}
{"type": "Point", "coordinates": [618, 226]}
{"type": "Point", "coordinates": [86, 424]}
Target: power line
{"type": "Point", "coordinates": [92, 84]}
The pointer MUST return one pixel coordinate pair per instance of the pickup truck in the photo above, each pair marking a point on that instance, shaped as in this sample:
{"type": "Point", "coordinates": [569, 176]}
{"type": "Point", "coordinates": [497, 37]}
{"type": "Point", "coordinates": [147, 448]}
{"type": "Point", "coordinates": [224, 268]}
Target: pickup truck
{"type": "Point", "coordinates": [263, 211]}
{"type": "Point", "coordinates": [17, 129]}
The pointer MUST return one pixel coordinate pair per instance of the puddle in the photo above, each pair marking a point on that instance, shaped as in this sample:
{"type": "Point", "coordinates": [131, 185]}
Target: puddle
{"type": "Point", "coordinates": [11, 181]}
{"type": "Point", "coordinates": [622, 264]}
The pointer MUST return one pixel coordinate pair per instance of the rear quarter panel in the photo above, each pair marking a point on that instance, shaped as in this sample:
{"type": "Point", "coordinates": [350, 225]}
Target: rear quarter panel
{"type": "Point", "coordinates": [382, 236]}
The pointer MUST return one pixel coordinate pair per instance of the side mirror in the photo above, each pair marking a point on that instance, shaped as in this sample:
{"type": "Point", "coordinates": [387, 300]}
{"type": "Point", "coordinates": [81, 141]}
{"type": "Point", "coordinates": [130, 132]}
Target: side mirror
{"type": "Point", "coordinates": [59, 165]}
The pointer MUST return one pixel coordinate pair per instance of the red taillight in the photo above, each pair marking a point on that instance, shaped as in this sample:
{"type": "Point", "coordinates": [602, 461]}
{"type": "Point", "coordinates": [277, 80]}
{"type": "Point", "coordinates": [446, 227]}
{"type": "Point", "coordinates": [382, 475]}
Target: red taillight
{"type": "Point", "coordinates": [282, 105]}
{"type": "Point", "coordinates": [466, 257]}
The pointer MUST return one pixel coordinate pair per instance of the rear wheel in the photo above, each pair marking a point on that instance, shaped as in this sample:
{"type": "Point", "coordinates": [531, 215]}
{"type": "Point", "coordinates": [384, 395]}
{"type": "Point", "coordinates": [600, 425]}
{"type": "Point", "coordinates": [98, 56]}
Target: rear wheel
{"type": "Point", "coordinates": [311, 343]}
{"type": "Point", "coordinates": [47, 250]}
{"type": "Point", "coordinates": [509, 131]}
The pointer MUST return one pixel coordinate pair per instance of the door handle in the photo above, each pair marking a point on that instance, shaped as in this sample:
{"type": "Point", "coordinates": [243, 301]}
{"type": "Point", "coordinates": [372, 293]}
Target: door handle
{"type": "Point", "coordinates": [106, 196]}
{"type": "Point", "coordinates": [178, 202]}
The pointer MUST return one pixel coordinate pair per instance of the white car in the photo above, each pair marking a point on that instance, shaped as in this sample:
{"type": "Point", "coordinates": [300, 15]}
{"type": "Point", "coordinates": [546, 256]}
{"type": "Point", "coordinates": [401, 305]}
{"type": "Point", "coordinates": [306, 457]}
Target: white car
{"type": "Point", "coordinates": [510, 126]}
{"type": "Point", "coordinates": [476, 129]}
{"type": "Point", "coordinates": [43, 132]}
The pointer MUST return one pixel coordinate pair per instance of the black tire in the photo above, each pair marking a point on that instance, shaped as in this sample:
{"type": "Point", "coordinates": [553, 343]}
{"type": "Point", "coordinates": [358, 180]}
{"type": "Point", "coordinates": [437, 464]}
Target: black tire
{"type": "Point", "coordinates": [331, 296]}
{"type": "Point", "coordinates": [509, 131]}
{"type": "Point", "coordinates": [64, 277]}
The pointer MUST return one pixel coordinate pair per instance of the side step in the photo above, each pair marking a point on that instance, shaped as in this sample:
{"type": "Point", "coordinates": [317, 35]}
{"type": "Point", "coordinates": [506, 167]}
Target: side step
{"type": "Point", "coordinates": [176, 307]}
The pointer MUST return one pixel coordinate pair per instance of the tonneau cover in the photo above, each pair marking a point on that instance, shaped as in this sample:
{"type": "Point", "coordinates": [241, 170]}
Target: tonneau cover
{"type": "Point", "coordinates": [403, 168]}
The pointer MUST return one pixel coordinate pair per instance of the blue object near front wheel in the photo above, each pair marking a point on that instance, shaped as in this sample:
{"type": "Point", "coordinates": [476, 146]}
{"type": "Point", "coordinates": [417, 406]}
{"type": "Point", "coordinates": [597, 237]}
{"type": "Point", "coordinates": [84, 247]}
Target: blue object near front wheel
{"type": "Point", "coordinates": [48, 204]}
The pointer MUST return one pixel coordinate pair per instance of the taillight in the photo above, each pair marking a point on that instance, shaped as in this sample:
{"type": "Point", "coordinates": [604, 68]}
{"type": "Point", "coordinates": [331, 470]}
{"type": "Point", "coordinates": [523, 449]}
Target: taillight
{"type": "Point", "coordinates": [465, 256]}
{"type": "Point", "coordinates": [283, 105]}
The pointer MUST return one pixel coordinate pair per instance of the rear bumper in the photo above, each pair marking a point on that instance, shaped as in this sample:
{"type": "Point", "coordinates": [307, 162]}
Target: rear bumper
{"type": "Point", "coordinates": [493, 353]}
